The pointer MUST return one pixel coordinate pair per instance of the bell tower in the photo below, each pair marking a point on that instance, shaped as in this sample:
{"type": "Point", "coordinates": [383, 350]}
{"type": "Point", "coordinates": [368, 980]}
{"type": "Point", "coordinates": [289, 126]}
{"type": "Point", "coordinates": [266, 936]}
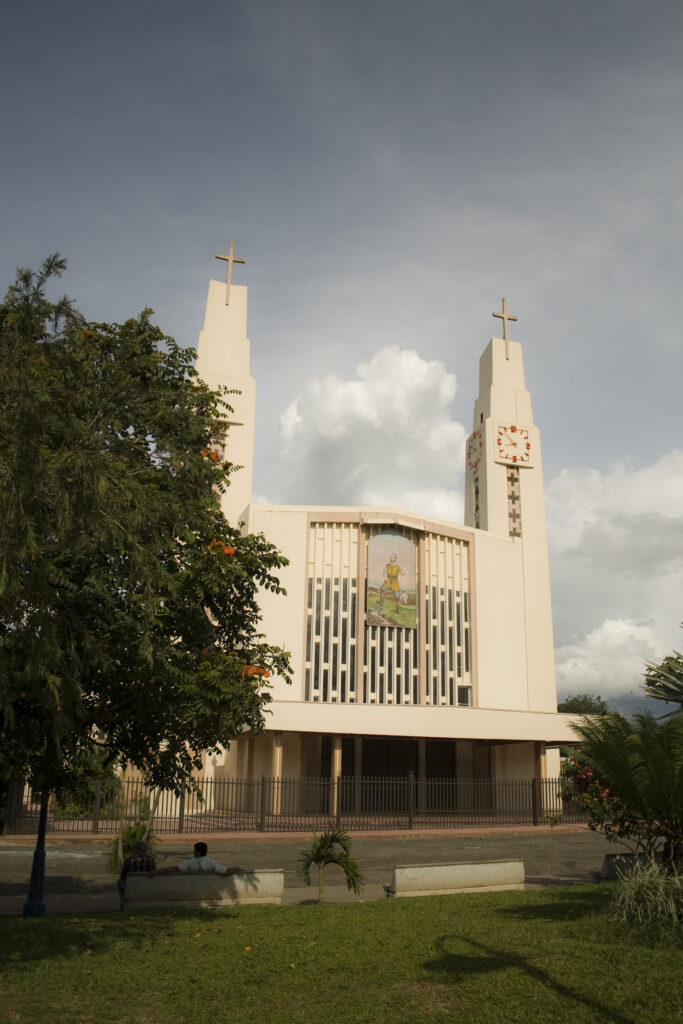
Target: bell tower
{"type": "Point", "coordinates": [504, 494]}
{"type": "Point", "coordinates": [223, 359]}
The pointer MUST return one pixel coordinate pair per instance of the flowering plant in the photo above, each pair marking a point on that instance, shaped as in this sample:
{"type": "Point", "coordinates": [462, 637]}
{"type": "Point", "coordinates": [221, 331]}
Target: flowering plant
{"type": "Point", "coordinates": [625, 778]}
{"type": "Point", "coordinates": [581, 785]}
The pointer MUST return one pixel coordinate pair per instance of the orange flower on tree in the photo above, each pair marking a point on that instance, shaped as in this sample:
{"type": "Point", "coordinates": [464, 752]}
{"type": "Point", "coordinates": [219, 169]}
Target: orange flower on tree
{"type": "Point", "coordinates": [227, 549]}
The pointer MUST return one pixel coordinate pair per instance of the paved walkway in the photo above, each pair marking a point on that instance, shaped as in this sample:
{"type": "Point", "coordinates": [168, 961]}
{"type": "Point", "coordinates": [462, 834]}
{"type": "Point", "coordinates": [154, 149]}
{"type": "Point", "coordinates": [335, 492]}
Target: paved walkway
{"type": "Point", "coordinates": [77, 880]}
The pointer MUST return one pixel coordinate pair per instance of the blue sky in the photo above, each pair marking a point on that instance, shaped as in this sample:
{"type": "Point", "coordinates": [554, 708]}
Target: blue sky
{"type": "Point", "coordinates": [389, 171]}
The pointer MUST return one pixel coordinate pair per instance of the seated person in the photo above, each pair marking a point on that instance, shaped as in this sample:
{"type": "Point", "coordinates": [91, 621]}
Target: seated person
{"type": "Point", "coordinates": [139, 862]}
{"type": "Point", "coordinates": [199, 864]}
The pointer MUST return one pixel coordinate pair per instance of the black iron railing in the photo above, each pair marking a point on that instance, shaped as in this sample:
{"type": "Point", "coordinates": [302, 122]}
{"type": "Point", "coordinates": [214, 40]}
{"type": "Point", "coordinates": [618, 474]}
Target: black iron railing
{"type": "Point", "coordinates": [299, 805]}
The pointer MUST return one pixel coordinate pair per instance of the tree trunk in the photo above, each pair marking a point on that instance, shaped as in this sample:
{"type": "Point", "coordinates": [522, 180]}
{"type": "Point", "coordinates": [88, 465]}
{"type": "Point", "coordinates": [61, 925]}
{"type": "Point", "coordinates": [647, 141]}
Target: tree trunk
{"type": "Point", "coordinates": [320, 883]}
{"type": "Point", "coordinates": [35, 905]}
{"type": "Point", "coordinates": [152, 814]}
{"type": "Point", "coordinates": [122, 817]}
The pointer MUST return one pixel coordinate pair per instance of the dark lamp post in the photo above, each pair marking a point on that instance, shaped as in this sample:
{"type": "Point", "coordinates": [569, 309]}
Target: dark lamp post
{"type": "Point", "coordinates": [35, 904]}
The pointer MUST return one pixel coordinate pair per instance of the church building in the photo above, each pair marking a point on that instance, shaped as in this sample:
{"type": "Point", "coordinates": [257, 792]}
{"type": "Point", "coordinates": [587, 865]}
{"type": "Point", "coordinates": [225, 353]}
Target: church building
{"type": "Point", "coordinates": [417, 645]}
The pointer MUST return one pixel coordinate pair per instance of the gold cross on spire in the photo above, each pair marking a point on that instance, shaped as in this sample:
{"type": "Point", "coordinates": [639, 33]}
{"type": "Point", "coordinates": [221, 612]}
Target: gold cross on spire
{"type": "Point", "coordinates": [505, 316]}
{"type": "Point", "coordinates": [230, 259]}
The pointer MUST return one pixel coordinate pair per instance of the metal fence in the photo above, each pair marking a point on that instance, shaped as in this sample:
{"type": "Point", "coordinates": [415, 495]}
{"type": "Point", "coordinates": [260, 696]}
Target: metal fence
{"type": "Point", "coordinates": [299, 805]}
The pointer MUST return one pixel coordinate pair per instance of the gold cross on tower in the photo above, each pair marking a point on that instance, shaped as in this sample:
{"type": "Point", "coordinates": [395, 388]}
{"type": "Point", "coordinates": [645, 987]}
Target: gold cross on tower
{"type": "Point", "coordinates": [505, 316]}
{"type": "Point", "coordinates": [230, 259]}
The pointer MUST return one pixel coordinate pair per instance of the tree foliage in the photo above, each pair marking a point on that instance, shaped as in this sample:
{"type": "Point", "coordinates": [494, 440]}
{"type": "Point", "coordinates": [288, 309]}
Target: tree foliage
{"type": "Point", "coordinates": [628, 776]}
{"type": "Point", "coordinates": [128, 604]}
{"type": "Point", "coordinates": [584, 704]}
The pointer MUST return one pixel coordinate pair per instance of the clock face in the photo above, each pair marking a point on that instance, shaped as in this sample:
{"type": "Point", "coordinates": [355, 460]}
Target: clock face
{"type": "Point", "coordinates": [474, 448]}
{"type": "Point", "coordinates": [512, 444]}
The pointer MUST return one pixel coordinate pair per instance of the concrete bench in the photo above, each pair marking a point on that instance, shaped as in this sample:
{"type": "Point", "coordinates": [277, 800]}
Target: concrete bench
{"type": "Point", "coordinates": [438, 879]}
{"type": "Point", "coordinates": [616, 865]}
{"type": "Point", "coordinates": [208, 890]}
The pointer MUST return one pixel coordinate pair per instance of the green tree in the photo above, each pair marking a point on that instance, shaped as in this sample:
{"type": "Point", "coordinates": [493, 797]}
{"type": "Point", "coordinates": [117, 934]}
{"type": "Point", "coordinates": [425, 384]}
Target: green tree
{"type": "Point", "coordinates": [331, 848]}
{"type": "Point", "coordinates": [584, 704]}
{"type": "Point", "coordinates": [128, 604]}
{"type": "Point", "coordinates": [665, 681]}
{"type": "Point", "coordinates": [628, 776]}
{"type": "Point", "coordinates": [581, 704]}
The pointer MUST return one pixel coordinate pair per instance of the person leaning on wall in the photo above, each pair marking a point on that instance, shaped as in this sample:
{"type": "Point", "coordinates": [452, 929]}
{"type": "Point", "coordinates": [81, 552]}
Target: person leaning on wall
{"type": "Point", "coordinates": [139, 862]}
{"type": "Point", "coordinates": [199, 864]}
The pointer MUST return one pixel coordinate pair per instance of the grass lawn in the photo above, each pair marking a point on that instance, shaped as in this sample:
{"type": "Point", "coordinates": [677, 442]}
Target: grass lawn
{"type": "Point", "coordinates": [546, 956]}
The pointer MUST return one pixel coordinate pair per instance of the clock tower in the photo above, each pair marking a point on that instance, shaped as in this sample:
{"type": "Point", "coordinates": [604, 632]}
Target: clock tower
{"type": "Point", "coordinates": [504, 492]}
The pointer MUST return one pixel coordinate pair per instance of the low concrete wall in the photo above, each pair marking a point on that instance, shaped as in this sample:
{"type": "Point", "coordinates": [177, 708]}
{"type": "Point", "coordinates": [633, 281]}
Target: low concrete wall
{"type": "Point", "coordinates": [437, 879]}
{"type": "Point", "coordinates": [208, 890]}
{"type": "Point", "coordinates": [617, 865]}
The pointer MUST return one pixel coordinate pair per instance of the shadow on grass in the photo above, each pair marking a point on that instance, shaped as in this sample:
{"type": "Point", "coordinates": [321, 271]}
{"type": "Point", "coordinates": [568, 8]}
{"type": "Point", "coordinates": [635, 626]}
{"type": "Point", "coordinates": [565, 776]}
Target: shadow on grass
{"type": "Point", "coordinates": [560, 905]}
{"type": "Point", "coordinates": [561, 881]}
{"type": "Point", "coordinates": [26, 940]}
{"type": "Point", "coordinates": [61, 885]}
{"type": "Point", "coordinates": [459, 965]}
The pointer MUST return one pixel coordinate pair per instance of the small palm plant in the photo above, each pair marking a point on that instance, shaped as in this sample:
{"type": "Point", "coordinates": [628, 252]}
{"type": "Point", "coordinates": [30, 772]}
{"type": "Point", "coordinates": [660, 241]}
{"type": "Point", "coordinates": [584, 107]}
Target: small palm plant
{"type": "Point", "coordinates": [331, 848]}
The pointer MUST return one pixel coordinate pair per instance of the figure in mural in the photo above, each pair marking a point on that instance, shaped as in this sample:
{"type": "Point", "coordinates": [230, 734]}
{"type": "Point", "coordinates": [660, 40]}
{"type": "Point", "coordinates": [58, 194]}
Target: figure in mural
{"type": "Point", "coordinates": [391, 584]}
{"type": "Point", "coordinates": [391, 579]}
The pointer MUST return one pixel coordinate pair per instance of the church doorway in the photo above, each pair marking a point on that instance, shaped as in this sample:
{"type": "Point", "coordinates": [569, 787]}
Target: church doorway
{"type": "Point", "coordinates": [388, 758]}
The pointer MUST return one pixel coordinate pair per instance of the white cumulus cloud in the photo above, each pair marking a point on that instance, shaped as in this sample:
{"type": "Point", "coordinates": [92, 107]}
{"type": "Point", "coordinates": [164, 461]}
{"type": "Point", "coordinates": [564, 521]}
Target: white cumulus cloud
{"type": "Point", "coordinates": [384, 438]}
{"type": "Point", "coordinates": [580, 501]}
{"type": "Point", "coordinates": [616, 551]}
{"type": "Point", "coordinates": [608, 661]}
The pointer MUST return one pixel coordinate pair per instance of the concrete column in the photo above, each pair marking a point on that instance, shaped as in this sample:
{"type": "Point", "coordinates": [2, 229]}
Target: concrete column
{"type": "Point", "coordinates": [249, 773]}
{"type": "Point", "coordinates": [422, 626]}
{"type": "Point", "coordinates": [277, 772]}
{"type": "Point", "coordinates": [360, 615]}
{"type": "Point", "coordinates": [335, 772]}
{"type": "Point", "coordinates": [541, 772]}
{"type": "Point", "coordinates": [540, 767]}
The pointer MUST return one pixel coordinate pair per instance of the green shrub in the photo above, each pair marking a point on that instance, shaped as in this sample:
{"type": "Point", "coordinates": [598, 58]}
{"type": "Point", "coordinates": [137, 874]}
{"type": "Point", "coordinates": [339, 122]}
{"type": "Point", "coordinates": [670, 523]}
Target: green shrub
{"type": "Point", "coordinates": [141, 828]}
{"type": "Point", "coordinates": [649, 894]}
{"type": "Point", "coordinates": [79, 801]}
{"type": "Point", "coordinates": [69, 809]}
{"type": "Point", "coordinates": [125, 842]}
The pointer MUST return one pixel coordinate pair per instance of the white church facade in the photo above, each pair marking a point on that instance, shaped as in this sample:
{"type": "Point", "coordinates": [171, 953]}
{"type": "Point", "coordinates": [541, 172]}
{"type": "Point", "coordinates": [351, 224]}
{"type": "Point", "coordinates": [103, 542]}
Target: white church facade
{"type": "Point", "coordinates": [417, 645]}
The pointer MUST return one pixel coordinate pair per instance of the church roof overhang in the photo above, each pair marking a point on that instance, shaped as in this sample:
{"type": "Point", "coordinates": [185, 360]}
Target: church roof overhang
{"type": "Point", "coordinates": [422, 722]}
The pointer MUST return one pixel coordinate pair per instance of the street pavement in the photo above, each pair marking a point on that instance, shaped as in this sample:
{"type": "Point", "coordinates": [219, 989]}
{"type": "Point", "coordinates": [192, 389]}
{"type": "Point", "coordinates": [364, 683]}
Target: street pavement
{"type": "Point", "coordinates": [77, 879]}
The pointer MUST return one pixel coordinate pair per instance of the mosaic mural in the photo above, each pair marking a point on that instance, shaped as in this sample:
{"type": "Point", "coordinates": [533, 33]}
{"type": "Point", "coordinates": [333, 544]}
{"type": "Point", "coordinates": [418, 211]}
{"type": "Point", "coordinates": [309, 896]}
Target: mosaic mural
{"type": "Point", "coordinates": [391, 590]}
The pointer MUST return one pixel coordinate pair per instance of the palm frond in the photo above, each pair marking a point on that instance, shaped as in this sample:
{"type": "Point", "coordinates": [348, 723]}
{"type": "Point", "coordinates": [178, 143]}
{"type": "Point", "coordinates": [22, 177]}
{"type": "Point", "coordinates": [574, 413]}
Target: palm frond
{"type": "Point", "coordinates": [641, 765]}
{"type": "Point", "coordinates": [332, 847]}
{"type": "Point", "coordinates": [665, 681]}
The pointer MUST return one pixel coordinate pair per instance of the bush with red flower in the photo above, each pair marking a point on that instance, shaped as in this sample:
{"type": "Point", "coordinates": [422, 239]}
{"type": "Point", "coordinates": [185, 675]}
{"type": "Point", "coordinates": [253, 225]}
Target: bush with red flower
{"type": "Point", "coordinates": [628, 778]}
{"type": "Point", "coordinates": [585, 789]}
